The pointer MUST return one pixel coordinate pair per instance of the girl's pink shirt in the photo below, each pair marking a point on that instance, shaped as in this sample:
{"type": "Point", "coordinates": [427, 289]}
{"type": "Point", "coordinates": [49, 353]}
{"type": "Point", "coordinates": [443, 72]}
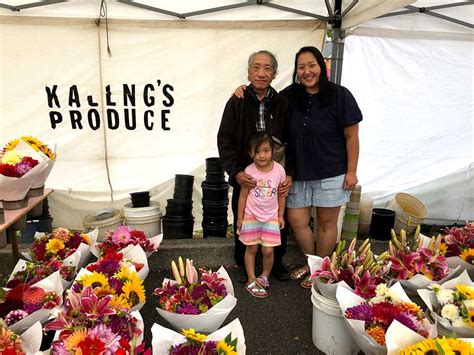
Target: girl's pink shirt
{"type": "Point", "coordinates": [262, 201]}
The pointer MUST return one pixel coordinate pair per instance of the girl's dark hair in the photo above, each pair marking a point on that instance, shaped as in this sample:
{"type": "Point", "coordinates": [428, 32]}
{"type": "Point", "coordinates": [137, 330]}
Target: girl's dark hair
{"type": "Point", "coordinates": [324, 85]}
{"type": "Point", "coordinates": [257, 139]}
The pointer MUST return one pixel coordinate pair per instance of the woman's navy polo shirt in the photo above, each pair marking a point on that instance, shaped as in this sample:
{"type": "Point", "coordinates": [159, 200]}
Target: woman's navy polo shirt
{"type": "Point", "coordinates": [317, 143]}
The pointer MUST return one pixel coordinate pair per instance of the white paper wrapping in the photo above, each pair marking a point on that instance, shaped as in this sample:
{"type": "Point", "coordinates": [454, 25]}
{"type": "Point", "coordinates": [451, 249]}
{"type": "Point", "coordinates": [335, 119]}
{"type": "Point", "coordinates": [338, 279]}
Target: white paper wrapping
{"type": "Point", "coordinates": [15, 189]}
{"type": "Point", "coordinates": [421, 281]}
{"type": "Point", "coordinates": [429, 297]}
{"type": "Point", "coordinates": [50, 283]}
{"type": "Point", "coordinates": [327, 290]}
{"type": "Point", "coordinates": [32, 338]}
{"type": "Point", "coordinates": [163, 338]}
{"type": "Point", "coordinates": [205, 322]}
{"type": "Point", "coordinates": [367, 344]}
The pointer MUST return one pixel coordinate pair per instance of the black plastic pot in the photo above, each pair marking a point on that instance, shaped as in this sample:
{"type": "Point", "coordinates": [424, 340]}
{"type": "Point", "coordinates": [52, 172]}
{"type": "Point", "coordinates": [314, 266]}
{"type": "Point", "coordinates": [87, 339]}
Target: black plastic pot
{"type": "Point", "coordinates": [140, 199]}
{"type": "Point", "coordinates": [215, 178]}
{"type": "Point", "coordinates": [214, 231]}
{"type": "Point", "coordinates": [215, 192]}
{"type": "Point", "coordinates": [213, 165]}
{"type": "Point", "coordinates": [383, 221]}
{"type": "Point", "coordinates": [214, 211]}
{"type": "Point", "coordinates": [36, 225]}
{"type": "Point", "coordinates": [184, 212]}
{"type": "Point", "coordinates": [214, 221]}
{"type": "Point", "coordinates": [173, 202]}
{"type": "Point", "coordinates": [184, 196]}
{"type": "Point", "coordinates": [181, 228]}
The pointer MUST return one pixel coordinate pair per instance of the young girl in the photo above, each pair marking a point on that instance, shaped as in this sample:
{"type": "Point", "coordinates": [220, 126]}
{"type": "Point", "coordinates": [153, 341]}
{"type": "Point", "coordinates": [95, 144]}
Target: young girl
{"type": "Point", "coordinates": [260, 215]}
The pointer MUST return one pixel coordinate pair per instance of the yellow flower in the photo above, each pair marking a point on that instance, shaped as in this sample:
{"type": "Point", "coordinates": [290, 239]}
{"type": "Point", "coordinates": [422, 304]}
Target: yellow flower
{"type": "Point", "coordinates": [104, 291]}
{"type": "Point", "coordinates": [466, 291]}
{"type": "Point", "coordinates": [459, 346]}
{"type": "Point", "coordinates": [192, 335]}
{"type": "Point", "coordinates": [72, 341]}
{"type": "Point", "coordinates": [428, 346]}
{"type": "Point", "coordinates": [12, 157]}
{"type": "Point", "coordinates": [443, 248]}
{"type": "Point", "coordinates": [119, 302]}
{"type": "Point", "coordinates": [11, 145]}
{"type": "Point", "coordinates": [54, 245]}
{"type": "Point", "coordinates": [9, 339]}
{"type": "Point", "coordinates": [134, 292]}
{"type": "Point", "coordinates": [223, 348]}
{"type": "Point", "coordinates": [86, 238]}
{"type": "Point", "coordinates": [468, 256]}
{"type": "Point", "coordinates": [470, 317]}
{"type": "Point", "coordinates": [32, 142]}
{"type": "Point", "coordinates": [378, 334]}
{"type": "Point", "coordinates": [96, 279]}
{"type": "Point", "coordinates": [125, 274]}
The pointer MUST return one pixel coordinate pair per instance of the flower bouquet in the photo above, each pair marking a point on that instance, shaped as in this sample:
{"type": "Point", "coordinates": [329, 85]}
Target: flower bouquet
{"type": "Point", "coordinates": [357, 268]}
{"type": "Point", "coordinates": [225, 341]}
{"type": "Point", "coordinates": [417, 266]}
{"type": "Point", "coordinates": [121, 282]}
{"type": "Point", "coordinates": [95, 325]}
{"type": "Point", "coordinates": [389, 317]}
{"type": "Point", "coordinates": [459, 243]}
{"type": "Point", "coordinates": [27, 343]}
{"type": "Point", "coordinates": [452, 305]}
{"type": "Point", "coordinates": [61, 244]}
{"type": "Point", "coordinates": [38, 150]}
{"type": "Point", "coordinates": [17, 173]}
{"type": "Point", "coordinates": [126, 237]}
{"type": "Point", "coordinates": [24, 305]}
{"type": "Point", "coordinates": [187, 302]}
{"type": "Point", "coordinates": [111, 262]}
{"type": "Point", "coordinates": [26, 272]}
{"type": "Point", "coordinates": [438, 346]}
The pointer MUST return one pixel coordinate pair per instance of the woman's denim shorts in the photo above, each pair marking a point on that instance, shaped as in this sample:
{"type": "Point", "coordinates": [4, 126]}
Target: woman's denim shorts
{"type": "Point", "coordinates": [318, 193]}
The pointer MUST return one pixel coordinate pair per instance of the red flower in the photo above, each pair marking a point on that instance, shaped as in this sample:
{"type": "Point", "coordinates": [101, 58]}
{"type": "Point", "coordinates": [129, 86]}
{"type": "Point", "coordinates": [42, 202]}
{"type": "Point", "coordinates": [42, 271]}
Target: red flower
{"type": "Point", "coordinates": [92, 346]}
{"type": "Point", "coordinates": [8, 170]}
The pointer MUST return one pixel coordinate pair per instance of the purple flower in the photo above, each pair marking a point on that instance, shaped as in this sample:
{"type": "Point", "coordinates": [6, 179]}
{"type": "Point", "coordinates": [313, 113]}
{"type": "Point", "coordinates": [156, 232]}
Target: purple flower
{"type": "Point", "coordinates": [15, 316]}
{"type": "Point", "coordinates": [207, 348]}
{"type": "Point", "coordinates": [199, 291]}
{"type": "Point", "coordinates": [108, 267]}
{"type": "Point", "coordinates": [121, 326]}
{"type": "Point", "coordinates": [360, 312]}
{"type": "Point", "coordinates": [75, 241]}
{"type": "Point", "coordinates": [121, 235]}
{"type": "Point", "coordinates": [105, 334]}
{"type": "Point", "coordinates": [116, 284]}
{"type": "Point", "coordinates": [59, 348]}
{"type": "Point", "coordinates": [187, 309]}
{"type": "Point", "coordinates": [30, 308]}
{"type": "Point", "coordinates": [407, 320]}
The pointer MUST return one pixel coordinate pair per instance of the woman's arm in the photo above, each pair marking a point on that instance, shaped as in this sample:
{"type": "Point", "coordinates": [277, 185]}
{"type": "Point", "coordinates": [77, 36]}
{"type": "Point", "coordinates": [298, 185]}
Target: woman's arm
{"type": "Point", "coordinates": [352, 146]}
{"type": "Point", "coordinates": [242, 201]}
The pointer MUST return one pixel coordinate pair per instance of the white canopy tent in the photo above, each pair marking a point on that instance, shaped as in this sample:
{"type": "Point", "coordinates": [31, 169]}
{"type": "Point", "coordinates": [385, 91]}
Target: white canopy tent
{"type": "Point", "coordinates": [199, 60]}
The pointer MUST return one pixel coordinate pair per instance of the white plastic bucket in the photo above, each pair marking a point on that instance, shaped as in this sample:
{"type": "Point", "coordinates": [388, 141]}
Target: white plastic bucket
{"type": "Point", "coordinates": [150, 225]}
{"type": "Point", "coordinates": [410, 212]}
{"type": "Point", "coordinates": [330, 334]}
{"type": "Point", "coordinates": [152, 210]}
{"type": "Point", "coordinates": [104, 225]}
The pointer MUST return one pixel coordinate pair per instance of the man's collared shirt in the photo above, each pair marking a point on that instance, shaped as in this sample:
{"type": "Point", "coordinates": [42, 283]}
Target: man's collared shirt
{"type": "Point", "coordinates": [264, 106]}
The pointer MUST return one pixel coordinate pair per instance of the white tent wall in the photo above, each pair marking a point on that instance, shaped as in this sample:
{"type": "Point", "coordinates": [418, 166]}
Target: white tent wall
{"type": "Point", "coordinates": [202, 61]}
{"type": "Point", "coordinates": [414, 83]}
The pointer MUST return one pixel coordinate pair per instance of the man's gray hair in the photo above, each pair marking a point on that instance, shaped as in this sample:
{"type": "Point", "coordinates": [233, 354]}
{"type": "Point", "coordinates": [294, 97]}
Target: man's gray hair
{"type": "Point", "coordinates": [270, 54]}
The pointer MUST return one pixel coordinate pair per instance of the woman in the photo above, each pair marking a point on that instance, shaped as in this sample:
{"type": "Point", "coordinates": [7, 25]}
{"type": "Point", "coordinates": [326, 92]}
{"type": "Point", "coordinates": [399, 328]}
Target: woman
{"type": "Point", "coordinates": [322, 155]}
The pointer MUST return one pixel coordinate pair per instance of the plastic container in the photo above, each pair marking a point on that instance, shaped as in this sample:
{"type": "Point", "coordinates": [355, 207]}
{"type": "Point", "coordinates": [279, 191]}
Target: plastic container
{"type": "Point", "coordinates": [140, 199]}
{"type": "Point", "coordinates": [329, 330]}
{"type": "Point", "coordinates": [215, 192]}
{"type": "Point", "coordinates": [214, 230]}
{"type": "Point", "coordinates": [410, 212]}
{"type": "Point", "coordinates": [152, 210]}
{"type": "Point", "coordinates": [179, 228]}
{"type": "Point", "coordinates": [150, 225]}
{"type": "Point", "coordinates": [104, 225]}
{"type": "Point", "coordinates": [213, 165]}
{"type": "Point", "coordinates": [33, 226]}
{"type": "Point", "coordinates": [382, 222]}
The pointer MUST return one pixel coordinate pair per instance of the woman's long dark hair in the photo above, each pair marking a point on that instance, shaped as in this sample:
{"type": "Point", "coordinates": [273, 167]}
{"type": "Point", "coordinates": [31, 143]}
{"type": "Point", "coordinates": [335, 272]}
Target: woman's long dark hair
{"type": "Point", "coordinates": [324, 85]}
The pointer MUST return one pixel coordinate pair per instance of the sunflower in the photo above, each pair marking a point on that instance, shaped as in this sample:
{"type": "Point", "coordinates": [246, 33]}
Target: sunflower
{"type": "Point", "coordinates": [119, 302]}
{"type": "Point", "coordinates": [470, 317]}
{"type": "Point", "coordinates": [72, 341]}
{"type": "Point", "coordinates": [12, 157]}
{"type": "Point", "coordinates": [125, 274]}
{"type": "Point", "coordinates": [86, 238]}
{"type": "Point", "coordinates": [96, 279]}
{"type": "Point", "coordinates": [11, 145]}
{"type": "Point", "coordinates": [468, 256]}
{"type": "Point", "coordinates": [104, 291]}
{"type": "Point", "coordinates": [54, 245]}
{"type": "Point", "coordinates": [134, 292]}
{"type": "Point", "coordinates": [466, 291]}
{"type": "Point", "coordinates": [428, 347]}
{"type": "Point", "coordinates": [459, 347]}
{"type": "Point", "coordinates": [225, 349]}
{"type": "Point", "coordinates": [33, 142]}
{"type": "Point", "coordinates": [193, 336]}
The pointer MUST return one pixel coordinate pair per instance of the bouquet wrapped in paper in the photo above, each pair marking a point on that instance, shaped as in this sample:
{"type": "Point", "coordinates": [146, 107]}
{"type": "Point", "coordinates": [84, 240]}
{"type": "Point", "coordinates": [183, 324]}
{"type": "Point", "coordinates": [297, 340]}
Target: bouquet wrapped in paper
{"type": "Point", "coordinates": [95, 325]}
{"type": "Point", "coordinates": [452, 305]}
{"type": "Point", "coordinates": [438, 346]}
{"type": "Point", "coordinates": [388, 318]}
{"type": "Point", "coordinates": [61, 244]}
{"type": "Point", "coordinates": [25, 305]}
{"type": "Point", "coordinates": [417, 266]}
{"type": "Point", "coordinates": [111, 262]}
{"type": "Point", "coordinates": [189, 302]}
{"type": "Point", "coordinates": [121, 281]}
{"type": "Point", "coordinates": [33, 147]}
{"type": "Point", "coordinates": [125, 237]}
{"type": "Point", "coordinates": [358, 268]}
{"type": "Point", "coordinates": [18, 170]}
{"type": "Point", "coordinates": [227, 340]}
{"type": "Point", "coordinates": [26, 272]}
{"type": "Point", "coordinates": [12, 343]}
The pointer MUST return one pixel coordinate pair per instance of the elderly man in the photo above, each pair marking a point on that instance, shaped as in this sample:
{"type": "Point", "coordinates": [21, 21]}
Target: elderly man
{"type": "Point", "coordinates": [261, 109]}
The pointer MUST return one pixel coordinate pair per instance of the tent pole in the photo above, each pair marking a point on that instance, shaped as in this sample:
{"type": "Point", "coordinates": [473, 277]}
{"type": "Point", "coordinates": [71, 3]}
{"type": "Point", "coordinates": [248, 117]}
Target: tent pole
{"type": "Point", "coordinates": [337, 56]}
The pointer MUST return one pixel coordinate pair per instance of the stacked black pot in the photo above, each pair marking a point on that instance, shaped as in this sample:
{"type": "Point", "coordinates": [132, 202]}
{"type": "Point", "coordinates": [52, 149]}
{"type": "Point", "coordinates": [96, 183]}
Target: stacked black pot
{"type": "Point", "coordinates": [215, 199]}
{"type": "Point", "coordinates": [178, 222]}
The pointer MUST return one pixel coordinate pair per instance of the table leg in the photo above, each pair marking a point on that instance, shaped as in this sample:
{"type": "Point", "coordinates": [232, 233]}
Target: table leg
{"type": "Point", "coordinates": [12, 236]}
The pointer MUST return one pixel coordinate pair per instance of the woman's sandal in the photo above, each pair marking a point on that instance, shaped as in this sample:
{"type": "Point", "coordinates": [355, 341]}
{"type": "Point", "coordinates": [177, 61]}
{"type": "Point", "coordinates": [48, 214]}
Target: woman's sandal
{"type": "Point", "coordinates": [299, 273]}
{"type": "Point", "coordinates": [256, 290]}
{"type": "Point", "coordinates": [307, 282]}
